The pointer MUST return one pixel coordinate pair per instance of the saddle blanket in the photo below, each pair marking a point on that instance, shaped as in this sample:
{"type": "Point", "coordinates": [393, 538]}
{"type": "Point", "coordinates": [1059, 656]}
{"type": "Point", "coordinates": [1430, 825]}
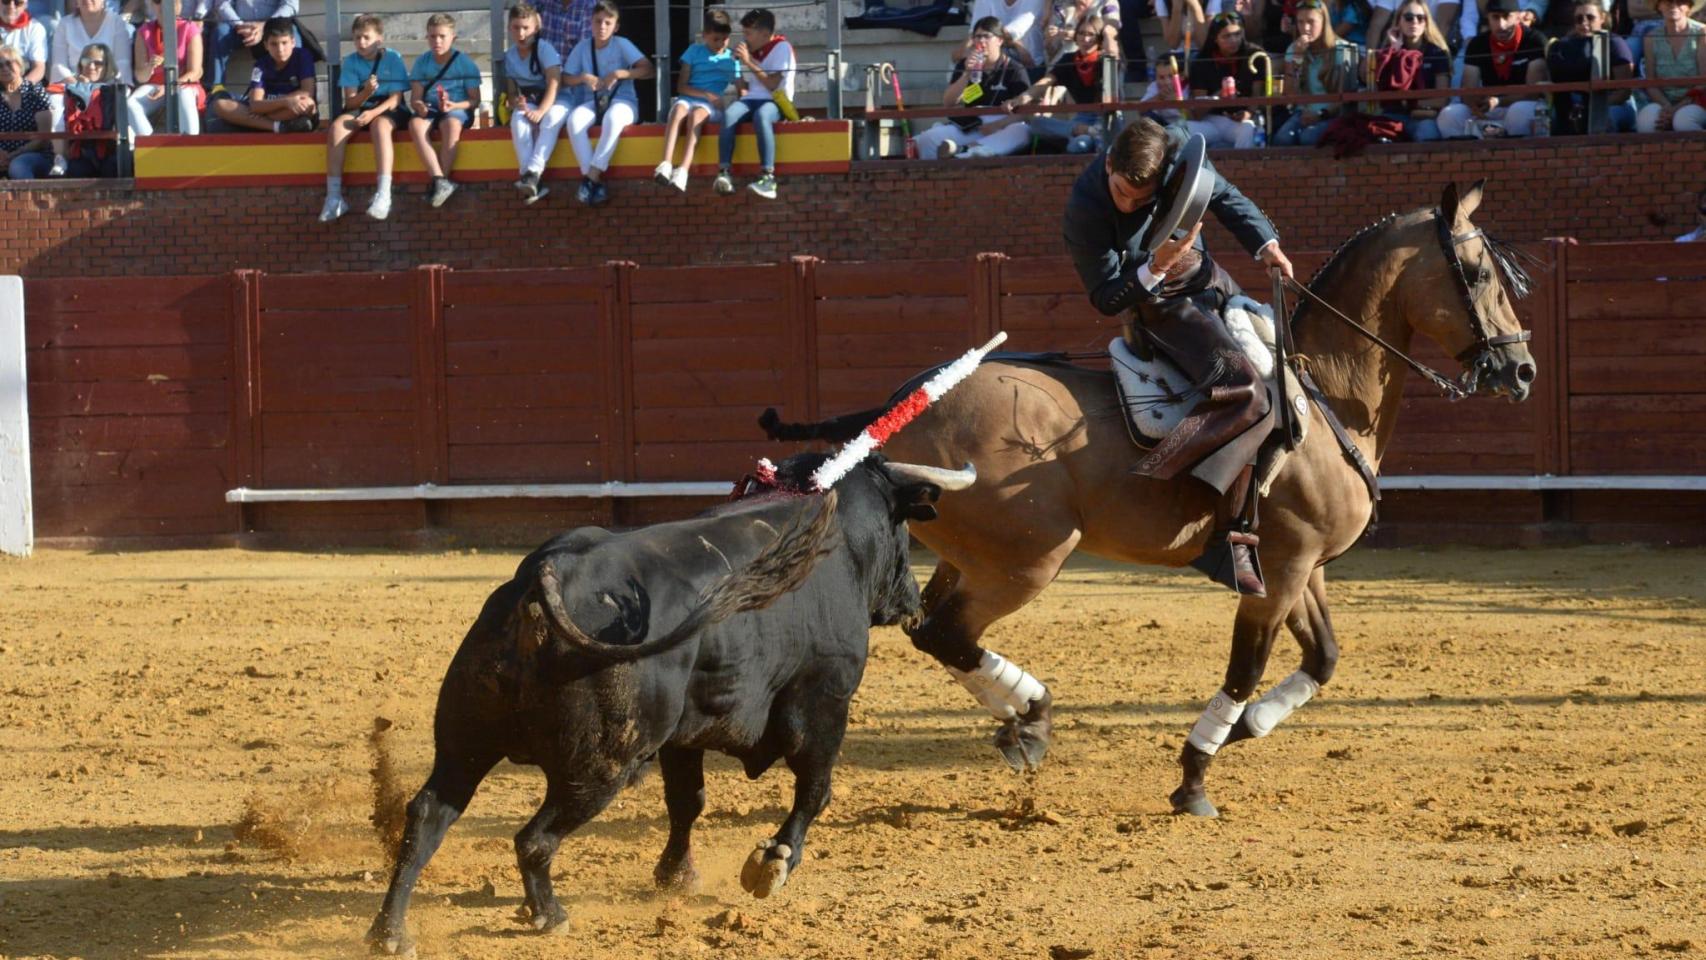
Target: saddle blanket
{"type": "Point", "coordinates": [1153, 392]}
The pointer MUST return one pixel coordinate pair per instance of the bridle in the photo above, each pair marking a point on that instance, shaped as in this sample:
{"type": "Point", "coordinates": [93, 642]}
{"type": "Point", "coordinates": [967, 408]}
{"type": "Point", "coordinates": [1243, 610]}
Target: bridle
{"type": "Point", "coordinates": [1477, 359]}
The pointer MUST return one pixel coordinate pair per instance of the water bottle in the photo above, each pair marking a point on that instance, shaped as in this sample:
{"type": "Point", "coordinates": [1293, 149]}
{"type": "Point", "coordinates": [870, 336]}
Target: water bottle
{"type": "Point", "coordinates": [974, 68]}
{"type": "Point", "coordinates": [1543, 119]}
{"type": "Point", "coordinates": [1261, 139]}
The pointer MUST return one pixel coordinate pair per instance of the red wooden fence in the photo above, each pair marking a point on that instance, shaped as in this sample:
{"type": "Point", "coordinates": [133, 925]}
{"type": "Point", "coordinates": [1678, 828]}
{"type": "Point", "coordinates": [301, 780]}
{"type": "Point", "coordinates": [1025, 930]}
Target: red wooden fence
{"type": "Point", "coordinates": [150, 398]}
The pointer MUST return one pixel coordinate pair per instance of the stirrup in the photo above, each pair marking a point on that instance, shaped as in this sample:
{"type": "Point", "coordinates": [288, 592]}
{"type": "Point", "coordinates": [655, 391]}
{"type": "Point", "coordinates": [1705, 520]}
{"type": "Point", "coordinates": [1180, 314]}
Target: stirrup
{"type": "Point", "coordinates": [1232, 563]}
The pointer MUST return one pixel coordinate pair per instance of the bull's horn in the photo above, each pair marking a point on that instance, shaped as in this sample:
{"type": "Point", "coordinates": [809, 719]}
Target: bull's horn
{"type": "Point", "coordinates": [940, 477]}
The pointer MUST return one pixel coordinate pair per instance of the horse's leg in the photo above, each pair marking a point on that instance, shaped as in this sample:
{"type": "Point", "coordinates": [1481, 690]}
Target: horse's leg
{"type": "Point", "coordinates": [1258, 622]}
{"type": "Point", "coordinates": [959, 605]}
{"type": "Point", "coordinates": [1309, 623]}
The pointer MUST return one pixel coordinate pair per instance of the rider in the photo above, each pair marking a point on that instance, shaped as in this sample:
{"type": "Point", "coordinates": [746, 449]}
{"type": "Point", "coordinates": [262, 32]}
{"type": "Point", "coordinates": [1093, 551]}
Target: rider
{"type": "Point", "coordinates": [1176, 296]}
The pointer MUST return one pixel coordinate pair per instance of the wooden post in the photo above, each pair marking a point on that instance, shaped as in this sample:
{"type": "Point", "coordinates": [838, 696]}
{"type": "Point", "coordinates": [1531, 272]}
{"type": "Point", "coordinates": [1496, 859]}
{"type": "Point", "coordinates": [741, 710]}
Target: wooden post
{"type": "Point", "coordinates": [432, 425]}
{"type": "Point", "coordinates": [802, 334]}
{"type": "Point", "coordinates": [986, 296]}
{"type": "Point", "coordinates": [245, 435]}
{"type": "Point", "coordinates": [616, 344]}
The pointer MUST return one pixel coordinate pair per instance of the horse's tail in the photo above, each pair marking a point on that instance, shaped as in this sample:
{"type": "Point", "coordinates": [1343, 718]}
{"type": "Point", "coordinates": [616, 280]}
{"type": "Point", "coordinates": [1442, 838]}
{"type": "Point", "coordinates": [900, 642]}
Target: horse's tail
{"type": "Point", "coordinates": [835, 430]}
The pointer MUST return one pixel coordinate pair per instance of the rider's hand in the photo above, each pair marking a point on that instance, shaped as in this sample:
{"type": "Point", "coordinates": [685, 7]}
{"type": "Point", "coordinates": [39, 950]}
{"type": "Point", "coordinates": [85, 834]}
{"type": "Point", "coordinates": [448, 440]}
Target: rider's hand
{"type": "Point", "coordinates": [1167, 255]}
{"type": "Point", "coordinates": [1276, 259]}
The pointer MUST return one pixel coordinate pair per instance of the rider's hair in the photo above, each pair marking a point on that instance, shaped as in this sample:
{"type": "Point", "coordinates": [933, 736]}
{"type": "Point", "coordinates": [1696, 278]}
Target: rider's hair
{"type": "Point", "coordinates": [1139, 151]}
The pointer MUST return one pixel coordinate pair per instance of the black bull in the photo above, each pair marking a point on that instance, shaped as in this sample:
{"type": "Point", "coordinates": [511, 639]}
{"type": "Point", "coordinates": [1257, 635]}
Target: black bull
{"type": "Point", "coordinates": [743, 630]}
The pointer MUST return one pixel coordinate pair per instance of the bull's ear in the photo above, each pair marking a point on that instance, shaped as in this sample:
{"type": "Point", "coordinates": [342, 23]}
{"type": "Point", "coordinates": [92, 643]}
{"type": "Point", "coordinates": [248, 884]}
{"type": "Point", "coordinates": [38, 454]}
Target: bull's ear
{"type": "Point", "coordinates": [918, 501]}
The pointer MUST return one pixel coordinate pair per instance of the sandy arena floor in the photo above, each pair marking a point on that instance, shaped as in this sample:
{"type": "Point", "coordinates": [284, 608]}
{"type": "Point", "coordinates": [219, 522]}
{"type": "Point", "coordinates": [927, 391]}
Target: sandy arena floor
{"type": "Point", "coordinates": [1507, 765]}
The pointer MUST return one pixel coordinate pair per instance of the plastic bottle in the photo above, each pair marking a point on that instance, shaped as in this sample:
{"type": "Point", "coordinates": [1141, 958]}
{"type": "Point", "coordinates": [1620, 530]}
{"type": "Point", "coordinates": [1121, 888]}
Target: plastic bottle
{"type": "Point", "coordinates": [1543, 119]}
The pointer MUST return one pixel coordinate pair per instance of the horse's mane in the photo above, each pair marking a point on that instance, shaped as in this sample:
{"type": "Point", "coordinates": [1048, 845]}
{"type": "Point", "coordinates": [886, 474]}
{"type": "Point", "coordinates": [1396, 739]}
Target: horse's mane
{"type": "Point", "coordinates": [1507, 257]}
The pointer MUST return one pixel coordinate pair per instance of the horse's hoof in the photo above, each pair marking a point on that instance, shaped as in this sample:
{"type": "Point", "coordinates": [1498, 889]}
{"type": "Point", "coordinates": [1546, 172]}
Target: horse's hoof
{"type": "Point", "coordinates": [766, 870]}
{"type": "Point", "coordinates": [1193, 804]}
{"type": "Point", "coordinates": [1024, 740]}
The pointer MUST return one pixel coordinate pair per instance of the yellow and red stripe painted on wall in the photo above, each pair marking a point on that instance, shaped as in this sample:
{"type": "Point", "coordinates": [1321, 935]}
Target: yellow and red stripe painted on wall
{"type": "Point", "coordinates": [181, 163]}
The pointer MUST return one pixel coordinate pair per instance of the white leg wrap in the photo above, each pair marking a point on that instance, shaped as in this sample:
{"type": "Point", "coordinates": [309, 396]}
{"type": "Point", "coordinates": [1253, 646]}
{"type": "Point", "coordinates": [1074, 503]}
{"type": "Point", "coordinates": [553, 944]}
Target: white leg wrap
{"type": "Point", "coordinates": [1277, 704]}
{"type": "Point", "coordinates": [1215, 723]}
{"type": "Point", "coordinates": [1000, 685]}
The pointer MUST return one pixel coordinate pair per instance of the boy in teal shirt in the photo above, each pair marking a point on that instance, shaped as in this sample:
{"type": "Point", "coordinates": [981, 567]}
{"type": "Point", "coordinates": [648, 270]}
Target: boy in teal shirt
{"type": "Point", "coordinates": [707, 69]}
{"type": "Point", "coordinates": [444, 89]}
{"type": "Point", "coordinates": [373, 80]}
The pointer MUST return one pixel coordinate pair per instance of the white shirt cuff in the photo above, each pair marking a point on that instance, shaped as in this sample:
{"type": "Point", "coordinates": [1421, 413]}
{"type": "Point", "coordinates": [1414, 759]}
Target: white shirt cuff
{"type": "Point", "coordinates": [1148, 277]}
{"type": "Point", "coordinates": [1271, 243]}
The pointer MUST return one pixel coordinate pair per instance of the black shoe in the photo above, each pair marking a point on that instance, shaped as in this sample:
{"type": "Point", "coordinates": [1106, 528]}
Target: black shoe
{"type": "Point", "coordinates": [1231, 562]}
{"type": "Point", "coordinates": [303, 124]}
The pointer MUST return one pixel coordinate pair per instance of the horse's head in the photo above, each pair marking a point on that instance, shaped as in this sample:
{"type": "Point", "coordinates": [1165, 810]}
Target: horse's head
{"type": "Point", "coordinates": [1461, 291]}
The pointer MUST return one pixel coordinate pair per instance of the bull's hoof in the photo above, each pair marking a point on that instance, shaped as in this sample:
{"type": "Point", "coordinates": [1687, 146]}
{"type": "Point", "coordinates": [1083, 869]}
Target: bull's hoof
{"type": "Point", "coordinates": [549, 920]}
{"type": "Point", "coordinates": [1193, 804]}
{"type": "Point", "coordinates": [385, 942]}
{"type": "Point", "coordinates": [766, 870]}
{"type": "Point", "coordinates": [679, 877]}
{"type": "Point", "coordinates": [1024, 740]}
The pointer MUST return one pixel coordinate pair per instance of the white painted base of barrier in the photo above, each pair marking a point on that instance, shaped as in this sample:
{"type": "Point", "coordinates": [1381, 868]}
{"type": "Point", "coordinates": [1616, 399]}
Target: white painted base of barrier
{"type": "Point", "coordinates": [17, 526]}
{"type": "Point", "coordinates": [713, 488]}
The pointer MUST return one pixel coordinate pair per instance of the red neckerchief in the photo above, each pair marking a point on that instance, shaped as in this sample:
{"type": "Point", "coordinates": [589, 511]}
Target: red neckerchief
{"type": "Point", "coordinates": [770, 45]}
{"type": "Point", "coordinates": [1504, 54]}
{"type": "Point", "coordinates": [23, 21]}
{"type": "Point", "coordinates": [1087, 62]}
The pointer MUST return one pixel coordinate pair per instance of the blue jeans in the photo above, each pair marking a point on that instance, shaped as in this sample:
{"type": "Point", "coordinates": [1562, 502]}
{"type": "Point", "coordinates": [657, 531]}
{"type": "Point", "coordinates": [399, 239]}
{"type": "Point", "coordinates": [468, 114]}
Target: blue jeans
{"type": "Point", "coordinates": [1056, 128]}
{"type": "Point", "coordinates": [30, 166]}
{"type": "Point", "coordinates": [763, 116]}
{"type": "Point", "coordinates": [1294, 134]}
{"type": "Point", "coordinates": [226, 42]}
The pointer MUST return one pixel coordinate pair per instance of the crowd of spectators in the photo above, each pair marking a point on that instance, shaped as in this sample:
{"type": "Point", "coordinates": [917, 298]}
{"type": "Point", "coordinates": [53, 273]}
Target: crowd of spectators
{"type": "Point", "coordinates": [1208, 49]}
{"type": "Point", "coordinates": [568, 70]}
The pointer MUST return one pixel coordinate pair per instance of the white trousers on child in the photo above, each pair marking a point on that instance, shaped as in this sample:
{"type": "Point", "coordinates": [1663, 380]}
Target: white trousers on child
{"type": "Point", "coordinates": [617, 117]}
{"type": "Point", "coordinates": [1517, 118]}
{"type": "Point", "coordinates": [1687, 117]}
{"type": "Point", "coordinates": [141, 108]}
{"type": "Point", "coordinates": [534, 142]}
{"type": "Point", "coordinates": [1221, 131]}
{"type": "Point", "coordinates": [999, 143]}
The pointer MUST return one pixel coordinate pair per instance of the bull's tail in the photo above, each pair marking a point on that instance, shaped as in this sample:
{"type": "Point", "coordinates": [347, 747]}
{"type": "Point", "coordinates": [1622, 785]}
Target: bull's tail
{"type": "Point", "coordinates": [778, 569]}
{"type": "Point", "coordinates": [835, 430]}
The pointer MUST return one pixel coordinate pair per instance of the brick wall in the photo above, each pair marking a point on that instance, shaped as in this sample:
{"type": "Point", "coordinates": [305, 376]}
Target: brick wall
{"type": "Point", "coordinates": [1595, 188]}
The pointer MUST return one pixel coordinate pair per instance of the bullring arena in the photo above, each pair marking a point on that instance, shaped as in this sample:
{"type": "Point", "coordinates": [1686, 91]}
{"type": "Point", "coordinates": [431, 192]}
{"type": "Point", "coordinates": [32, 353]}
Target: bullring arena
{"type": "Point", "coordinates": [258, 474]}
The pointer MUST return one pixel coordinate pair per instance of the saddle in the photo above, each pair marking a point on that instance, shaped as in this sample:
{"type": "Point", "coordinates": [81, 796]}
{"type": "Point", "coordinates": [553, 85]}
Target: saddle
{"type": "Point", "coordinates": [1155, 393]}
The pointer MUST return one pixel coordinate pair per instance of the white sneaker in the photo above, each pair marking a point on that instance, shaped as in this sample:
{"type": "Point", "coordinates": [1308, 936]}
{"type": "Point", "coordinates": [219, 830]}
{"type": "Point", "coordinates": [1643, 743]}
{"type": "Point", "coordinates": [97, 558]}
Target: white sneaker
{"type": "Point", "coordinates": [724, 184]}
{"type": "Point", "coordinates": [380, 207]}
{"type": "Point", "coordinates": [335, 207]}
{"type": "Point", "coordinates": [58, 168]}
{"type": "Point", "coordinates": [679, 180]}
{"type": "Point", "coordinates": [664, 173]}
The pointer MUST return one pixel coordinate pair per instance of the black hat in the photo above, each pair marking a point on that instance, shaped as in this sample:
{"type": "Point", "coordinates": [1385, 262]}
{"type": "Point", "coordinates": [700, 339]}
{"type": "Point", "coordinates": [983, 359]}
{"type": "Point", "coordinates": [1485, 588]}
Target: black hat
{"type": "Point", "coordinates": [1503, 6]}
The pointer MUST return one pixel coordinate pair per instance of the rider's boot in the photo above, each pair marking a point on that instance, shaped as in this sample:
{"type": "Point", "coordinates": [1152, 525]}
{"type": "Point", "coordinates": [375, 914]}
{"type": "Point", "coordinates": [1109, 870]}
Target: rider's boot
{"type": "Point", "coordinates": [1229, 558]}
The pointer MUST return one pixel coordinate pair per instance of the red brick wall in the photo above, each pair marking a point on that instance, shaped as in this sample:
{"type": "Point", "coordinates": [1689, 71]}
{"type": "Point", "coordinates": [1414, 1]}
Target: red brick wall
{"type": "Point", "coordinates": [1596, 188]}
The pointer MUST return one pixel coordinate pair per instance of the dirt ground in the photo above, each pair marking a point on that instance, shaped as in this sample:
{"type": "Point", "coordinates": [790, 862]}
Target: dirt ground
{"type": "Point", "coordinates": [1508, 764]}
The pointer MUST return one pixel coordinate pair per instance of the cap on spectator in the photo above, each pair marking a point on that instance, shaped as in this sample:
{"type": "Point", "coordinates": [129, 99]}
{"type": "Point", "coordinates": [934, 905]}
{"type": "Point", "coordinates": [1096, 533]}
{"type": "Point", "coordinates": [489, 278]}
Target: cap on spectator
{"type": "Point", "coordinates": [1503, 6]}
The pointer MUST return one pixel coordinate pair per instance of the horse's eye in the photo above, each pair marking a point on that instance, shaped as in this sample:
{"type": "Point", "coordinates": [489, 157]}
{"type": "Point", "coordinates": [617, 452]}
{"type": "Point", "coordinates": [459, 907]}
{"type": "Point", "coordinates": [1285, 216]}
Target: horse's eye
{"type": "Point", "coordinates": [1484, 276]}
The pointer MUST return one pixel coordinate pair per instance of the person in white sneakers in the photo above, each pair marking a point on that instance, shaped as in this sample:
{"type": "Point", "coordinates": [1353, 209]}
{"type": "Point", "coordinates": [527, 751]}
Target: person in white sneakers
{"type": "Point", "coordinates": [537, 103]}
{"type": "Point", "coordinates": [149, 58]}
{"type": "Point", "coordinates": [374, 79]}
{"type": "Point", "coordinates": [707, 69]}
{"type": "Point", "coordinates": [91, 23]}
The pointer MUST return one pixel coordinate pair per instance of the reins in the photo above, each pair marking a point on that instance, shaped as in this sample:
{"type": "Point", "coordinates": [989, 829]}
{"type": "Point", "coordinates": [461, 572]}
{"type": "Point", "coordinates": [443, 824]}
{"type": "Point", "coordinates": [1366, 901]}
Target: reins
{"type": "Point", "coordinates": [1450, 387]}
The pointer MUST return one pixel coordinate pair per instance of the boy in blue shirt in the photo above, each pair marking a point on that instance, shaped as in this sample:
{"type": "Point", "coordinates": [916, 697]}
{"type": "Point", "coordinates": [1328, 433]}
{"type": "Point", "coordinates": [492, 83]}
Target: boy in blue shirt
{"type": "Point", "coordinates": [707, 69]}
{"type": "Point", "coordinates": [373, 80]}
{"type": "Point", "coordinates": [281, 89]}
{"type": "Point", "coordinates": [444, 89]}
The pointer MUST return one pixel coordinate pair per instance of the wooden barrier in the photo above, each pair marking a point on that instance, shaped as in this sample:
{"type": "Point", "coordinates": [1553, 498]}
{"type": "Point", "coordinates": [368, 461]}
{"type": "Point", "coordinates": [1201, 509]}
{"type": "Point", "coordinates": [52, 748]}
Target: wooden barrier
{"type": "Point", "coordinates": [150, 398]}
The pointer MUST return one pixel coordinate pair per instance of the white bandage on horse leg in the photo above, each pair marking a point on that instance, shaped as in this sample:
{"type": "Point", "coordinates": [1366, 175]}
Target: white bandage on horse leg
{"type": "Point", "coordinates": [1215, 723]}
{"type": "Point", "coordinates": [1277, 704]}
{"type": "Point", "coordinates": [1004, 688]}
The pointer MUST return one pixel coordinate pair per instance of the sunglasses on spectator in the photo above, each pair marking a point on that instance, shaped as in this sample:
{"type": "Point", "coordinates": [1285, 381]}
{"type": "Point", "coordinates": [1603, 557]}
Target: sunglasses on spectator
{"type": "Point", "coordinates": [1414, 18]}
{"type": "Point", "coordinates": [1228, 18]}
{"type": "Point", "coordinates": [91, 62]}
{"type": "Point", "coordinates": [1312, 5]}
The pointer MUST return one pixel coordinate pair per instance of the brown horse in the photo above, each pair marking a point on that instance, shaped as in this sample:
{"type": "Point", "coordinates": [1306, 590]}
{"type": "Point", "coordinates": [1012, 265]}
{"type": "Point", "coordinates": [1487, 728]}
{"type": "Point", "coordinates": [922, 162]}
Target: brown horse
{"type": "Point", "coordinates": [1054, 465]}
